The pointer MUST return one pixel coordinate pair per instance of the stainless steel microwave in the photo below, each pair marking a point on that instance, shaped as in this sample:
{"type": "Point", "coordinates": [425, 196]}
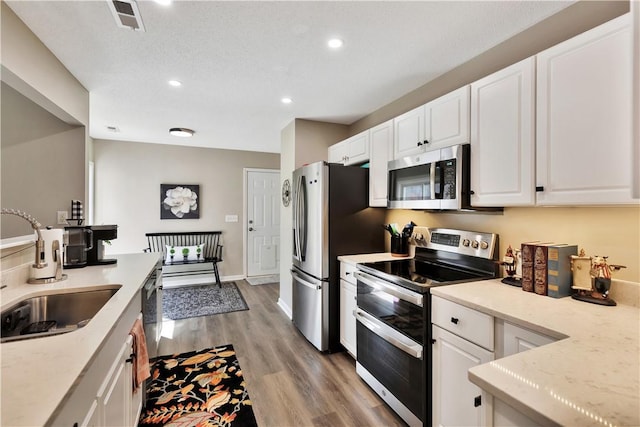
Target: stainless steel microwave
{"type": "Point", "coordinates": [434, 180]}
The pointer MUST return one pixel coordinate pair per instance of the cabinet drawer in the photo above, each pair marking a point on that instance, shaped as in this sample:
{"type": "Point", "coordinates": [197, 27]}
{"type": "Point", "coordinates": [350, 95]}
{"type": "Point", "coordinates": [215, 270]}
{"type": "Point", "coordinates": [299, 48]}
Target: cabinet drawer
{"type": "Point", "coordinates": [463, 321]}
{"type": "Point", "coordinates": [346, 272]}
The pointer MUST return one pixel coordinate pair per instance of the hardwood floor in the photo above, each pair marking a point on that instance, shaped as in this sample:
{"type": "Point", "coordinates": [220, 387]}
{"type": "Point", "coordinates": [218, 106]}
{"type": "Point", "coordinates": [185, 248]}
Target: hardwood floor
{"type": "Point", "coordinates": [290, 383]}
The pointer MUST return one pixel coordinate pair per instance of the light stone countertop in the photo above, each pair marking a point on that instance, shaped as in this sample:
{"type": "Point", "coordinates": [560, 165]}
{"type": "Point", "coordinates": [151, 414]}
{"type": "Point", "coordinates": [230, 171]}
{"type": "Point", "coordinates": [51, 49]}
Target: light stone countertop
{"type": "Point", "coordinates": [590, 377]}
{"type": "Point", "coordinates": [38, 375]}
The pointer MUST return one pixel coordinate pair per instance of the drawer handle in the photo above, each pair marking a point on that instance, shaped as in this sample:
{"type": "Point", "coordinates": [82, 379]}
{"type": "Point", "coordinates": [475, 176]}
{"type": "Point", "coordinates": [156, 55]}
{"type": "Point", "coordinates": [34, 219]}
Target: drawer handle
{"type": "Point", "coordinates": [477, 401]}
{"type": "Point", "coordinates": [455, 320]}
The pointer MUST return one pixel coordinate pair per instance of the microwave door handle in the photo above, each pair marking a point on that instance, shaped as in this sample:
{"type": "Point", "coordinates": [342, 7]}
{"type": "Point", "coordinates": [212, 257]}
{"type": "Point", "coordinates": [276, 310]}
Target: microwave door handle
{"type": "Point", "coordinates": [432, 181]}
{"type": "Point", "coordinates": [437, 189]}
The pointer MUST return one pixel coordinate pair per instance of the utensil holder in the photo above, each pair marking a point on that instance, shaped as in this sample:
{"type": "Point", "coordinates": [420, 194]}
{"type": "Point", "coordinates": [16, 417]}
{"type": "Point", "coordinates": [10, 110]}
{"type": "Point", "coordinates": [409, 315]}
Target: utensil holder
{"type": "Point", "coordinates": [399, 246]}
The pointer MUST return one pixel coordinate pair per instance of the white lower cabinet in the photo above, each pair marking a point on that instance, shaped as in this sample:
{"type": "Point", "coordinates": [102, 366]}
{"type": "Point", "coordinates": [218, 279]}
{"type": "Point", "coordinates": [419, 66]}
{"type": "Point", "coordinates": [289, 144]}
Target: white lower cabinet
{"type": "Point", "coordinates": [348, 308]}
{"type": "Point", "coordinates": [115, 396]}
{"type": "Point", "coordinates": [512, 339]}
{"type": "Point", "coordinates": [104, 395]}
{"type": "Point", "coordinates": [456, 401]}
{"type": "Point", "coordinates": [457, 333]}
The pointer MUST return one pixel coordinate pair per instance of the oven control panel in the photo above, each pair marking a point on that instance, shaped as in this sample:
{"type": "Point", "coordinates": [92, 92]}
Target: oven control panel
{"type": "Point", "coordinates": [463, 242]}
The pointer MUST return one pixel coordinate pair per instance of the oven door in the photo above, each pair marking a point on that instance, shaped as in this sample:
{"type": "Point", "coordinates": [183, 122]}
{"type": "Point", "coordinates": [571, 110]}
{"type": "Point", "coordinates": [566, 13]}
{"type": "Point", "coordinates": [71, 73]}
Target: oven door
{"type": "Point", "coordinates": [390, 334]}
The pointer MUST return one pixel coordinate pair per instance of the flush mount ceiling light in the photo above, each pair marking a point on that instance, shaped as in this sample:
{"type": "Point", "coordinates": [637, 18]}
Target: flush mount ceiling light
{"type": "Point", "coordinates": [335, 43]}
{"type": "Point", "coordinates": [286, 100]}
{"type": "Point", "coordinates": [181, 132]}
{"type": "Point", "coordinates": [175, 83]}
{"type": "Point", "coordinates": [164, 2]}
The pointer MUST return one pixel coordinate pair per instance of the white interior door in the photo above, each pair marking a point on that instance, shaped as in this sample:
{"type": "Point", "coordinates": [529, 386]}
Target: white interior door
{"type": "Point", "coordinates": [263, 222]}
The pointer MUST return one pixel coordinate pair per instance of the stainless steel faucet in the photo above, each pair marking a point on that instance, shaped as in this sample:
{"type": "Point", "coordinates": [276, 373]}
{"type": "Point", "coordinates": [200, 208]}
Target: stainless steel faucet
{"type": "Point", "coordinates": [40, 249]}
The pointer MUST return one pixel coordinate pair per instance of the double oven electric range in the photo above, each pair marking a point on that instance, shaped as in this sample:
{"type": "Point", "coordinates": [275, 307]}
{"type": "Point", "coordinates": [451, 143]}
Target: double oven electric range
{"type": "Point", "coordinates": [394, 313]}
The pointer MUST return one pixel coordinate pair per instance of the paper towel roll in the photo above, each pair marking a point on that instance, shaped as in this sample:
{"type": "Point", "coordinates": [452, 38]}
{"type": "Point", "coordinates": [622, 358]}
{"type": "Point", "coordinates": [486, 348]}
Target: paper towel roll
{"type": "Point", "coordinates": [49, 236]}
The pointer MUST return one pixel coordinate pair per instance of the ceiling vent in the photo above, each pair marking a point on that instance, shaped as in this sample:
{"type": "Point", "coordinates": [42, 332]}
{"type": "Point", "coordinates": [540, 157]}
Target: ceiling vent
{"type": "Point", "coordinates": [127, 14]}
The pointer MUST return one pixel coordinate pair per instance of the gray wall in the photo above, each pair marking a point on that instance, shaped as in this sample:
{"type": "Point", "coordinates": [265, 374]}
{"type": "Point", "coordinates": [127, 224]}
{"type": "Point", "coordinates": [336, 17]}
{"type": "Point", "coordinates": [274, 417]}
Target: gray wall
{"type": "Point", "coordinates": [128, 177]}
{"type": "Point", "coordinates": [45, 142]}
{"type": "Point", "coordinates": [42, 163]}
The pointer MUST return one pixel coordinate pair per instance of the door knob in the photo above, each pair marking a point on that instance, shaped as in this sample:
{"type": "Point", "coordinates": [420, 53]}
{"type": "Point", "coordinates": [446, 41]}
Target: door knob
{"type": "Point", "coordinates": [250, 228]}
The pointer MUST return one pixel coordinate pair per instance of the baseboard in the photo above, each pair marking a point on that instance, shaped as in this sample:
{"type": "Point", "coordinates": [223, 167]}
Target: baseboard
{"type": "Point", "coordinates": [284, 307]}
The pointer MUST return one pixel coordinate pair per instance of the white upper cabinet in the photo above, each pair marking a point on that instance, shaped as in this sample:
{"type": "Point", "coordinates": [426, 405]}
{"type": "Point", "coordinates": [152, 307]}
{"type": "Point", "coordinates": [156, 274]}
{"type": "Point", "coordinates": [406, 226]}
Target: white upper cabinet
{"type": "Point", "coordinates": [440, 123]}
{"type": "Point", "coordinates": [447, 119]}
{"type": "Point", "coordinates": [503, 137]}
{"type": "Point", "coordinates": [584, 126]}
{"type": "Point", "coordinates": [381, 150]}
{"type": "Point", "coordinates": [351, 151]}
{"type": "Point", "coordinates": [408, 133]}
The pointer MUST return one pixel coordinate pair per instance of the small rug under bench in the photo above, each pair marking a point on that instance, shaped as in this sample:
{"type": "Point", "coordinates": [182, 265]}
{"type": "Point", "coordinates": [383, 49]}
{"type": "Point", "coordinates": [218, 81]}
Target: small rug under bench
{"type": "Point", "coordinates": [199, 388]}
{"type": "Point", "coordinates": [198, 300]}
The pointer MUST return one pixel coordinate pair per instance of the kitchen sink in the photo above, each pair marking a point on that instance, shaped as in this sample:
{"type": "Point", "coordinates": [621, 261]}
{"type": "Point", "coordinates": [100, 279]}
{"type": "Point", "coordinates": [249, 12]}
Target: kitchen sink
{"type": "Point", "coordinates": [53, 314]}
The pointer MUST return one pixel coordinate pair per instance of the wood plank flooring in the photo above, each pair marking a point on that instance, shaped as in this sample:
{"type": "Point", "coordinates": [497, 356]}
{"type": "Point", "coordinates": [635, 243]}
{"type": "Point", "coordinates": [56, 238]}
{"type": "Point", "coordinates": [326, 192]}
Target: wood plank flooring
{"type": "Point", "coordinates": [290, 383]}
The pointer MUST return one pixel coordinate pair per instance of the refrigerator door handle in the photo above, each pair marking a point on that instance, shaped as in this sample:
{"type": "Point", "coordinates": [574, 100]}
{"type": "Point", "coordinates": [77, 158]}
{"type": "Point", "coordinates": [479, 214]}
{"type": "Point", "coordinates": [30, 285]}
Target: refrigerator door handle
{"type": "Point", "coordinates": [296, 222]}
{"type": "Point", "coordinates": [303, 282]}
{"type": "Point", "coordinates": [302, 220]}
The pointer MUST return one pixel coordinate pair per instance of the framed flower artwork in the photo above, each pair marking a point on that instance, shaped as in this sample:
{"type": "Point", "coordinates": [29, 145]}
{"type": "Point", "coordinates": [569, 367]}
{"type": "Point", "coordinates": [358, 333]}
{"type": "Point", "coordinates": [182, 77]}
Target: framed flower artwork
{"type": "Point", "coordinates": [179, 201]}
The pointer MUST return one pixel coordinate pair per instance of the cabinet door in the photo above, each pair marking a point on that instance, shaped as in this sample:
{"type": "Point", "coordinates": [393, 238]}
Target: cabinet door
{"type": "Point", "coordinates": [584, 118]}
{"type": "Point", "coordinates": [456, 401]}
{"type": "Point", "coordinates": [347, 318]}
{"type": "Point", "coordinates": [513, 339]}
{"type": "Point", "coordinates": [447, 120]}
{"type": "Point", "coordinates": [408, 133]}
{"type": "Point", "coordinates": [358, 148]}
{"type": "Point", "coordinates": [337, 153]}
{"type": "Point", "coordinates": [114, 397]}
{"type": "Point", "coordinates": [381, 150]}
{"type": "Point", "coordinates": [502, 137]}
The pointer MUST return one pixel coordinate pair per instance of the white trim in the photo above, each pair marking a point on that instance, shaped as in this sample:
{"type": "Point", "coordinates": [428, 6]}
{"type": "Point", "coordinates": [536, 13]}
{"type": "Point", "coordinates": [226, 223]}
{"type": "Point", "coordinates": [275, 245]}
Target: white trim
{"type": "Point", "coordinates": [284, 307]}
{"type": "Point", "coordinates": [245, 203]}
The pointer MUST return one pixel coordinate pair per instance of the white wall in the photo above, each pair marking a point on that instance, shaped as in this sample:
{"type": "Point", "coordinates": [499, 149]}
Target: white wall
{"type": "Point", "coordinates": [128, 178]}
{"type": "Point", "coordinates": [302, 141]}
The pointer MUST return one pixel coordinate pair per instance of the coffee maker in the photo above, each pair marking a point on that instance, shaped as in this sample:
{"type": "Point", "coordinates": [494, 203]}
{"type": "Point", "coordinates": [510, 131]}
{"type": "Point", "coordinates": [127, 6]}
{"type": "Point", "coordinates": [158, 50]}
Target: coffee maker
{"type": "Point", "coordinates": [78, 241]}
{"type": "Point", "coordinates": [100, 235]}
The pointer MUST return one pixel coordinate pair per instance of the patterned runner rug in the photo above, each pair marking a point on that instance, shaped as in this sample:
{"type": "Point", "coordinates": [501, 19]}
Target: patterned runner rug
{"type": "Point", "coordinates": [194, 301]}
{"type": "Point", "coordinates": [200, 388]}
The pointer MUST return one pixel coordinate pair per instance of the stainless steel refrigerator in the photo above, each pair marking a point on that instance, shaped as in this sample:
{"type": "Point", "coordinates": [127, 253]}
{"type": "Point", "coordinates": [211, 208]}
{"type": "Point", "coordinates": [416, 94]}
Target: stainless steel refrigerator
{"type": "Point", "coordinates": [331, 217]}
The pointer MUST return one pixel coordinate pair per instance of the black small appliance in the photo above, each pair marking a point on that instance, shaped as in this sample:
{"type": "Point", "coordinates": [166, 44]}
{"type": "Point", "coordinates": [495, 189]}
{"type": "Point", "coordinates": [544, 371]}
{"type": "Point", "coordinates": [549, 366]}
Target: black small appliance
{"type": "Point", "coordinates": [100, 235]}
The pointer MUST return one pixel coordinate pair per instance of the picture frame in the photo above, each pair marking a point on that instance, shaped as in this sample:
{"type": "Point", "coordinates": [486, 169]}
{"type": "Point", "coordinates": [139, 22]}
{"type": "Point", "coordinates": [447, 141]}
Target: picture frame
{"type": "Point", "coordinates": [180, 201]}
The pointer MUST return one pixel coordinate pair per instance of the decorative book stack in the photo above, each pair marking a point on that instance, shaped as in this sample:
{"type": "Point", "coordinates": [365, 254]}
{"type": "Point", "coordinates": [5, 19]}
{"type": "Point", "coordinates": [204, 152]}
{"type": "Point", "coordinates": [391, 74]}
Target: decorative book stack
{"type": "Point", "coordinates": [546, 268]}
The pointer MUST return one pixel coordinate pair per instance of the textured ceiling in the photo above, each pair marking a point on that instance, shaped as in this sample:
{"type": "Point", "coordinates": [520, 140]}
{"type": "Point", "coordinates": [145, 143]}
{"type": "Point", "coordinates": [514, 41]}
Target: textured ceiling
{"type": "Point", "coordinates": [237, 59]}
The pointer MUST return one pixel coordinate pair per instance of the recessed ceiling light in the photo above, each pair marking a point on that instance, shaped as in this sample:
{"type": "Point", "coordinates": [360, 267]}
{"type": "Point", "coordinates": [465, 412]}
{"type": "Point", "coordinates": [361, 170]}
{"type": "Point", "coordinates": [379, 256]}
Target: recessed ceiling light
{"type": "Point", "coordinates": [181, 132]}
{"type": "Point", "coordinates": [286, 100]}
{"type": "Point", "coordinates": [175, 83]}
{"type": "Point", "coordinates": [335, 43]}
{"type": "Point", "coordinates": [164, 2]}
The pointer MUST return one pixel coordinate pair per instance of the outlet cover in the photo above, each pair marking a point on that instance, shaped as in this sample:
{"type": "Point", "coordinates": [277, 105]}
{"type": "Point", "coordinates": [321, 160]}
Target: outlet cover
{"type": "Point", "coordinates": [62, 217]}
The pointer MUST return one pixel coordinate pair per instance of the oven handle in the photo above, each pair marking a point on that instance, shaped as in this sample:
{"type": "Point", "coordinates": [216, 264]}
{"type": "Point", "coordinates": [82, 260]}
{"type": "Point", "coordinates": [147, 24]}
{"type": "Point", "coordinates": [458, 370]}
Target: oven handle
{"type": "Point", "coordinates": [386, 287]}
{"type": "Point", "coordinates": [389, 334]}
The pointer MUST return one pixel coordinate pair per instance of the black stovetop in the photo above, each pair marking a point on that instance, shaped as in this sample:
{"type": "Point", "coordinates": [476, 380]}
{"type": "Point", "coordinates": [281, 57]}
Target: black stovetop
{"type": "Point", "coordinates": [420, 274]}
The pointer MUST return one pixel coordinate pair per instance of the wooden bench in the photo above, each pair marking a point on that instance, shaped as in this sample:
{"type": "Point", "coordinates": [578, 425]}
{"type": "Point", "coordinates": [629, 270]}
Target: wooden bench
{"type": "Point", "coordinates": [204, 260]}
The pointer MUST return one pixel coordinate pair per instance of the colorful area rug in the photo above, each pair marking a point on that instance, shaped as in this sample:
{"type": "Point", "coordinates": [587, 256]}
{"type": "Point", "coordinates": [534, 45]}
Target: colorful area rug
{"type": "Point", "coordinates": [204, 388]}
{"type": "Point", "coordinates": [195, 301]}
